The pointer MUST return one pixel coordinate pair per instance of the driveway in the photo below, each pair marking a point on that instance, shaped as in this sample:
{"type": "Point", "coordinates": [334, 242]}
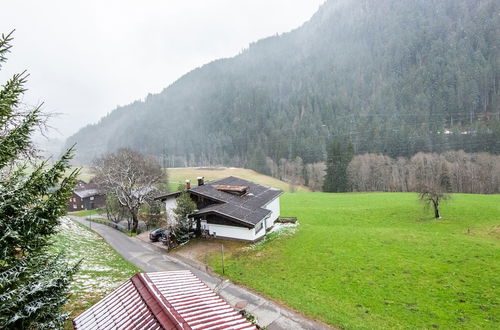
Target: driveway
{"type": "Point", "coordinates": [152, 259]}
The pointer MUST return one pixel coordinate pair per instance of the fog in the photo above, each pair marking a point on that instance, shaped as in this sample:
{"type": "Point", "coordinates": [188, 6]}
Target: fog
{"type": "Point", "coordinates": [87, 57]}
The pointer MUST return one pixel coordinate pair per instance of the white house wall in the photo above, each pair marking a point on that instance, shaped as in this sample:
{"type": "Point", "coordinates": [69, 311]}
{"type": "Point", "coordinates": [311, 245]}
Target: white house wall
{"type": "Point", "coordinates": [274, 207]}
{"type": "Point", "coordinates": [261, 232]}
{"type": "Point", "coordinates": [170, 205]}
{"type": "Point", "coordinates": [240, 233]}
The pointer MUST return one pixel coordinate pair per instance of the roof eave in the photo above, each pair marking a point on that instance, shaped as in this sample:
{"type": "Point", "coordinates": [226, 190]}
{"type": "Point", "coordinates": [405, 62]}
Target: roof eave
{"type": "Point", "coordinates": [166, 196]}
{"type": "Point", "coordinates": [227, 216]}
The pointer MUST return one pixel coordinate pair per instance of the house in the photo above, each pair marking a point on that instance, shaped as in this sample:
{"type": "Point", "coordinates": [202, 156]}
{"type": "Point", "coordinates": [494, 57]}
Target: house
{"type": "Point", "coordinates": [86, 196]}
{"type": "Point", "coordinates": [162, 300]}
{"type": "Point", "coordinates": [231, 208]}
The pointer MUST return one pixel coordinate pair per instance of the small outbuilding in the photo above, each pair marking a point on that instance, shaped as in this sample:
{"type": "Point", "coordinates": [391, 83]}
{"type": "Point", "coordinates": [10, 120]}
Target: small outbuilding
{"type": "Point", "coordinates": [86, 196]}
{"type": "Point", "coordinates": [231, 208]}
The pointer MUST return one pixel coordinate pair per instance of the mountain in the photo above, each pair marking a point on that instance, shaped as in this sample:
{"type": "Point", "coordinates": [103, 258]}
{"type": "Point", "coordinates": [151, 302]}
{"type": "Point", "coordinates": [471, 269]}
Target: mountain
{"type": "Point", "coordinates": [393, 76]}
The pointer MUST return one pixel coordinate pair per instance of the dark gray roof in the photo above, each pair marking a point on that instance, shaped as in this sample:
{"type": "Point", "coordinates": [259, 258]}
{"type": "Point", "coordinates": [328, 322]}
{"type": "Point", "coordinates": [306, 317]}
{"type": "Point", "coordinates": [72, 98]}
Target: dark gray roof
{"type": "Point", "coordinates": [247, 217]}
{"type": "Point", "coordinates": [166, 196]}
{"type": "Point", "coordinates": [246, 208]}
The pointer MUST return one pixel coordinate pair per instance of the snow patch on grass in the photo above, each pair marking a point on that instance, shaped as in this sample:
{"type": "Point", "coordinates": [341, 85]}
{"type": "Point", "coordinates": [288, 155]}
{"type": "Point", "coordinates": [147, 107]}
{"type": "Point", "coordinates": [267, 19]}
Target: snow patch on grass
{"type": "Point", "coordinates": [279, 230]}
{"type": "Point", "coordinates": [284, 228]}
{"type": "Point", "coordinates": [102, 269]}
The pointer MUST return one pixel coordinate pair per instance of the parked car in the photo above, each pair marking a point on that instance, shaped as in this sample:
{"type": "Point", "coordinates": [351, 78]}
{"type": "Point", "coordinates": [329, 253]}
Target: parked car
{"type": "Point", "coordinates": [155, 235]}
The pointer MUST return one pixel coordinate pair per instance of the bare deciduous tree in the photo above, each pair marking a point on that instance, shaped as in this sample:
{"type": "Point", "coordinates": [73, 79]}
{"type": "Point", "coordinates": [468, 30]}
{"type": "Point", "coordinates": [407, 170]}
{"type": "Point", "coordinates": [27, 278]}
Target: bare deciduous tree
{"type": "Point", "coordinates": [316, 175]}
{"type": "Point", "coordinates": [114, 210]}
{"type": "Point", "coordinates": [463, 172]}
{"type": "Point", "coordinates": [131, 177]}
{"type": "Point", "coordinates": [433, 195]}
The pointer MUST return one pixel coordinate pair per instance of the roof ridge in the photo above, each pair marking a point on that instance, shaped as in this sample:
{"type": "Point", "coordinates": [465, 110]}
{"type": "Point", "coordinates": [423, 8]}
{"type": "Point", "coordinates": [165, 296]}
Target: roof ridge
{"type": "Point", "coordinates": [163, 312]}
{"type": "Point", "coordinates": [169, 300]}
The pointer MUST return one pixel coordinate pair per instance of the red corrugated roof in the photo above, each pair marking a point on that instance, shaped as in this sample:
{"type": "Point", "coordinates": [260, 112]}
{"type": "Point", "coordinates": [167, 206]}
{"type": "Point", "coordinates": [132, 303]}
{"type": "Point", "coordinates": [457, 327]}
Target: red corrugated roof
{"type": "Point", "coordinates": [163, 300]}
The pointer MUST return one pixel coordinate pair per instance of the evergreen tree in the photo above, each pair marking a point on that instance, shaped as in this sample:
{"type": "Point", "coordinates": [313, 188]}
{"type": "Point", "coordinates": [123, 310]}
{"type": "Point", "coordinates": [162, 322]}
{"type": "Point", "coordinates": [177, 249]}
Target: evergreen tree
{"type": "Point", "coordinates": [257, 161]}
{"type": "Point", "coordinates": [339, 157]}
{"type": "Point", "coordinates": [329, 183]}
{"type": "Point", "coordinates": [34, 282]}
{"type": "Point", "coordinates": [444, 179]}
{"type": "Point", "coordinates": [185, 206]}
{"type": "Point", "coordinates": [412, 84]}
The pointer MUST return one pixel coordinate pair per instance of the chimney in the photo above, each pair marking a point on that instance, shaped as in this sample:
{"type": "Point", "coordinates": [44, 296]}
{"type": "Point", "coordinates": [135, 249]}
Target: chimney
{"type": "Point", "coordinates": [200, 181]}
{"type": "Point", "coordinates": [188, 184]}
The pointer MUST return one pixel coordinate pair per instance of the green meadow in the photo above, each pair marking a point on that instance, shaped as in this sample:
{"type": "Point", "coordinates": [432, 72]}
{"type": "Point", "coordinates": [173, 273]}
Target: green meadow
{"type": "Point", "coordinates": [380, 260]}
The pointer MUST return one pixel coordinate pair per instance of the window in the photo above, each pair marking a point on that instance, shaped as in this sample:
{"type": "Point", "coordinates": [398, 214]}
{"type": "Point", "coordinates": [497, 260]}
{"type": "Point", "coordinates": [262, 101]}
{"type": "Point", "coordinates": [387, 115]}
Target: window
{"type": "Point", "coordinates": [258, 227]}
{"type": "Point", "coordinates": [91, 198]}
{"type": "Point", "coordinates": [74, 206]}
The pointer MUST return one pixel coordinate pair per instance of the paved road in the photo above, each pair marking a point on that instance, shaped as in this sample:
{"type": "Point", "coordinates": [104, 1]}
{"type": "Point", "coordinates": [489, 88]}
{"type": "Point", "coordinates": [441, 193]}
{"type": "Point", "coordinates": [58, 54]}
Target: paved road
{"type": "Point", "coordinates": [152, 259]}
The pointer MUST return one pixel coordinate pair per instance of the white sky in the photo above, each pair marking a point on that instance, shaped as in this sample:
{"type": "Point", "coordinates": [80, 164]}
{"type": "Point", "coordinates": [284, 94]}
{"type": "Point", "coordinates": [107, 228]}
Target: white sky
{"type": "Point", "coordinates": [87, 57]}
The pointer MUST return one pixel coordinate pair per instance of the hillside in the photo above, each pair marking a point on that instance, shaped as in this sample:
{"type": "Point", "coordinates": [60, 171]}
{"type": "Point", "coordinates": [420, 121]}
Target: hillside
{"type": "Point", "coordinates": [394, 76]}
{"type": "Point", "coordinates": [178, 176]}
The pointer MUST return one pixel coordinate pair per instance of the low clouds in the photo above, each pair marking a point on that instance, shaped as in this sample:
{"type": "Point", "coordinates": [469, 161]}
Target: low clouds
{"type": "Point", "coordinates": [87, 57]}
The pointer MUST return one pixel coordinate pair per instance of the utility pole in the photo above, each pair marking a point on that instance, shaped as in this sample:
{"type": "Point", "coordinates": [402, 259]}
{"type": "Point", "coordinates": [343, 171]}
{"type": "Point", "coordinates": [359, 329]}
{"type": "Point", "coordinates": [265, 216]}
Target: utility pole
{"type": "Point", "coordinates": [222, 253]}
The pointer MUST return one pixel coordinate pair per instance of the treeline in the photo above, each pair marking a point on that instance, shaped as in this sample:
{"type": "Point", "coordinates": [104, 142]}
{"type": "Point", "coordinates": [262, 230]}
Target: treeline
{"type": "Point", "coordinates": [295, 172]}
{"type": "Point", "coordinates": [458, 171]}
{"type": "Point", "coordinates": [395, 77]}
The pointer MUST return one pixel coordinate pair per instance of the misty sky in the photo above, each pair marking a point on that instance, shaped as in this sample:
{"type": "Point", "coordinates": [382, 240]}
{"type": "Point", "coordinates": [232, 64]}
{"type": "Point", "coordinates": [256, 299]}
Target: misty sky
{"type": "Point", "coordinates": [87, 57]}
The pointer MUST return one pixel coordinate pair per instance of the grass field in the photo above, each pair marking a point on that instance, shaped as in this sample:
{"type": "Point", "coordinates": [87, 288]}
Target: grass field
{"type": "Point", "coordinates": [378, 261]}
{"type": "Point", "coordinates": [86, 213]}
{"type": "Point", "coordinates": [85, 173]}
{"type": "Point", "coordinates": [102, 268]}
{"type": "Point", "coordinates": [177, 176]}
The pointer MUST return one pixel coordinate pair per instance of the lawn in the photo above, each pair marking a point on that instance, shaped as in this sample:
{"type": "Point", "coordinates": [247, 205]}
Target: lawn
{"type": "Point", "coordinates": [86, 213]}
{"type": "Point", "coordinates": [102, 268]}
{"type": "Point", "coordinates": [178, 176]}
{"type": "Point", "coordinates": [378, 260]}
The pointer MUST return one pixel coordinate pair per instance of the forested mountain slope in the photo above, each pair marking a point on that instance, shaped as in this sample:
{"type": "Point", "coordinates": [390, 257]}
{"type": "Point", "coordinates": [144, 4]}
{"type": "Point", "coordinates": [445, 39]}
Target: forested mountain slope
{"type": "Point", "coordinates": [393, 76]}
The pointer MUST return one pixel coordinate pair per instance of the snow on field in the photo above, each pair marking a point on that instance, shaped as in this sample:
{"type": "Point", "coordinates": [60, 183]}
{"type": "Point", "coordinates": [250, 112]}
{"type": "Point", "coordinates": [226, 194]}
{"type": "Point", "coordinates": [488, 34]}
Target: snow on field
{"type": "Point", "coordinates": [99, 272]}
{"type": "Point", "coordinates": [70, 228]}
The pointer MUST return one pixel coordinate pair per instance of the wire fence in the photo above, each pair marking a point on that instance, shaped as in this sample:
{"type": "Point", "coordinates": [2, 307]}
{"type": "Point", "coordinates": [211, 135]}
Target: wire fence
{"type": "Point", "coordinates": [117, 226]}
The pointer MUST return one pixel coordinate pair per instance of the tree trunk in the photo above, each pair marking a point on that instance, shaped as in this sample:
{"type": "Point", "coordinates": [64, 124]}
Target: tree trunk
{"type": "Point", "coordinates": [436, 209]}
{"type": "Point", "coordinates": [135, 221]}
{"type": "Point", "coordinates": [108, 212]}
